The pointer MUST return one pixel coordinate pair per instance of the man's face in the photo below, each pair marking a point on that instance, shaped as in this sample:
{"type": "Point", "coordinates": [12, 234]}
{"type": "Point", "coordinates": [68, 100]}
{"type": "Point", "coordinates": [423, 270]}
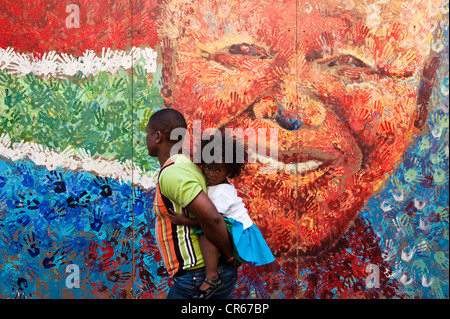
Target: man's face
{"type": "Point", "coordinates": [339, 80]}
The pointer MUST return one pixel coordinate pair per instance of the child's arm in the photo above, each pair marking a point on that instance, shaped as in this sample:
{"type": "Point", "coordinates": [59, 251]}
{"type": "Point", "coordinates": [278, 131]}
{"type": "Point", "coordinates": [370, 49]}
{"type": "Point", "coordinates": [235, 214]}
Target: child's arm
{"type": "Point", "coordinates": [181, 219]}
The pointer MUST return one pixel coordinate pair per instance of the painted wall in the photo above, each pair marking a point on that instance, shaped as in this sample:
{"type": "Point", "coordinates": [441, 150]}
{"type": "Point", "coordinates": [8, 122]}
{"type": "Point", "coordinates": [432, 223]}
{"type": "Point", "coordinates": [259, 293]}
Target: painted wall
{"type": "Point", "coordinates": [356, 205]}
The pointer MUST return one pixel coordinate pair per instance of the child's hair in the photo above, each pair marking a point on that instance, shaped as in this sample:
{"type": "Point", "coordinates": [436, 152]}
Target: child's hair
{"type": "Point", "coordinates": [236, 166]}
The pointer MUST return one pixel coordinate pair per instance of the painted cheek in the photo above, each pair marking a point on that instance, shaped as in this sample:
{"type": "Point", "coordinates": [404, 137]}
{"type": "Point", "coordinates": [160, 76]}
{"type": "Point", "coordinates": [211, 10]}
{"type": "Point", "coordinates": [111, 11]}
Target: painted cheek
{"type": "Point", "coordinates": [226, 92]}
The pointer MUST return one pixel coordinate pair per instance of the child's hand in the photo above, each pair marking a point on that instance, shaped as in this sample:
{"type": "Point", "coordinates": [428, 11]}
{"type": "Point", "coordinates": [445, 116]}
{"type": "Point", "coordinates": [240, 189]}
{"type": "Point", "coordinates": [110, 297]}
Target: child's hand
{"type": "Point", "coordinates": [177, 219]}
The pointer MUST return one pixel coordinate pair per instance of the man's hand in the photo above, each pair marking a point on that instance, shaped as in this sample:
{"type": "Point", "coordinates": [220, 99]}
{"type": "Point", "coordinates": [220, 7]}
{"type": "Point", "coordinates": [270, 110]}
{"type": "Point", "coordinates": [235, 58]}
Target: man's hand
{"type": "Point", "coordinates": [212, 224]}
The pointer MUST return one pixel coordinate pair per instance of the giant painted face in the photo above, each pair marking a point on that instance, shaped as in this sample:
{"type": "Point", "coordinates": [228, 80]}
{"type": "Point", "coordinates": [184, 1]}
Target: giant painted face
{"type": "Point", "coordinates": [339, 80]}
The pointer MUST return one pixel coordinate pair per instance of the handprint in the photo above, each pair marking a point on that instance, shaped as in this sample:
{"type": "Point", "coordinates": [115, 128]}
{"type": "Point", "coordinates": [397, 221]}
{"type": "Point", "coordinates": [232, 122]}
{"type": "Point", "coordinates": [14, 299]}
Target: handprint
{"type": "Point", "coordinates": [56, 178]}
{"type": "Point", "coordinates": [27, 200]}
{"type": "Point", "coordinates": [21, 65]}
{"type": "Point", "coordinates": [96, 219]}
{"type": "Point", "coordinates": [22, 283]}
{"type": "Point", "coordinates": [118, 276]}
{"type": "Point", "coordinates": [425, 282]}
{"type": "Point", "coordinates": [442, 214]}
{"type": "Point", "coordinates": [32, 244]}
{"type": "Point", "coordinates": [402, 225]}
{"type": "Point", "coordinates": [424, 248]}
{"type": "Point", "coordinates": [104, 186]}
{"type": "Point", "coordinates": [107, 61]}
{"type": "Point", "coordinates": [399, 195]}
{"type": "Point", "coordinates": [124, 256]}
{"type": "Point", "coordinates": [147, 279]}
{"type": "Point", "coordinates": [100, 122]}
{"type": "Point", "coordinates": [93, 253]}
{"type": "Point", "coordinates": [2, 181]}
{"type": "Point", "coordinates": [408, 253]}
{"type": "Point", "coordinates": [398, 271]}
{"type": "Point", "coordinates": [53, 259]}
{"type": "Point", "coordinates": [6, 57]}
{"type": "Point", "coordinates": [137, 194]}
{"type": "Point", "coordinates": [37, 154]}
{"type": "Point", "coordinates": [47, 65]}
{"type": "Point", "coordinates": [87, 162]}
{"type": "Point", "coordinates": [405, 280]}
{"type": "Point", "coordinates": [28, 180]}
{"type": "Point", "coordinates": [83, 200]}
{"type": "Point", "coordinates": [89, 63]}
{"type": "Point", "coordinates": [436, 288]}
{"type": "Point", "coordinates": [390, 250]}
{"type": "Point", "coordinates": [69, 64]}
{"type": "Point", "coordinates": [115, 236]}
{"type": "Point", "coordinates": [14, 246]}
{"type": "Point", "coordinates": [424, 224]}
{"type": "Point", "coordinates": [52, 213]}
{"type": "Point", "coordinates": [441, 259]}
{"type": "Point", "coordinates": [149, 56]}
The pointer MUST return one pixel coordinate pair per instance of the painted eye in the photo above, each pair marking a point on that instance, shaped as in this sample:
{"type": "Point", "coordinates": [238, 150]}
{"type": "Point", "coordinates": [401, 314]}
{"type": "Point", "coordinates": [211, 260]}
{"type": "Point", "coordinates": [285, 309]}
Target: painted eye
{"type": "Point", "coordinates": [236, 55]}
{"type": "Point", "coordinates": [348, 60]}
{"type": "Point", "coordinates": [248, 50]}
{"type": "Point", "coordinates": [349, 68]}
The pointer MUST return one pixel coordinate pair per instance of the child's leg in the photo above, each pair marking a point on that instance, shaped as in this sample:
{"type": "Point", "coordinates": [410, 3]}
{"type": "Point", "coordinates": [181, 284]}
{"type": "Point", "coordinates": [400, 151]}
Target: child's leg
{"type": "Point", "coordinates": [211, 257]}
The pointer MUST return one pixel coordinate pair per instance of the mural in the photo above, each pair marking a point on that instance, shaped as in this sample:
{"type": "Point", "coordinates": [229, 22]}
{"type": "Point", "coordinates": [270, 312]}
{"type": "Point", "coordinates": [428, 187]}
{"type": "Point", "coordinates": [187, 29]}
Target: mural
{"type": "Point", "coordinates": [354, 206]}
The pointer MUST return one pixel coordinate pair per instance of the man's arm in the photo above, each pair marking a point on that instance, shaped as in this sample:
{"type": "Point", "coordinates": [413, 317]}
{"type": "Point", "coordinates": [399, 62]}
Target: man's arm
{"type": "Point", "coordinates": [181, 219]}
{"type": "Point", "coordinates": [212, 224]}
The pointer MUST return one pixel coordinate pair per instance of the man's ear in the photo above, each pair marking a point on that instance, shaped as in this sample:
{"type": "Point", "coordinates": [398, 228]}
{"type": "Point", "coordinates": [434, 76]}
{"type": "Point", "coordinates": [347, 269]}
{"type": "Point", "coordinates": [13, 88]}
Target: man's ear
{"type": "Point", "coordinates": [159, 137]}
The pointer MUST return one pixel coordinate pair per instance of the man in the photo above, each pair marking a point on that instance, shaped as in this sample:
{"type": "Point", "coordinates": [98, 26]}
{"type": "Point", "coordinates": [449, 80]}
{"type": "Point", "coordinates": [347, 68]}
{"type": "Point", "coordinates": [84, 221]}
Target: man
{"type": "Point", "coordinates": [346, 83]}
{"type": "Point", "coordinates": [181, 187]}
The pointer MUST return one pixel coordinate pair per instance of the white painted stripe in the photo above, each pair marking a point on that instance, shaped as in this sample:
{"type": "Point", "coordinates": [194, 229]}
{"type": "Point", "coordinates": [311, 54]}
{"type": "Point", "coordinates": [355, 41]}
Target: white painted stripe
{"type": "Point", "coordinates": [53, 65]}
{"type": "Point", "coordinates": [76, 160]}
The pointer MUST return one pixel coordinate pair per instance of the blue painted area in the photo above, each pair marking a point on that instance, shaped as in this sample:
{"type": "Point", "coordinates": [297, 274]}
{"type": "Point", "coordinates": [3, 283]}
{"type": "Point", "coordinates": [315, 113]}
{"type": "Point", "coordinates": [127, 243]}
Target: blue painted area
{"type": "Point", "coordinates": [410, 214]}
{"type": "Point", "coordinates": [51, 219]}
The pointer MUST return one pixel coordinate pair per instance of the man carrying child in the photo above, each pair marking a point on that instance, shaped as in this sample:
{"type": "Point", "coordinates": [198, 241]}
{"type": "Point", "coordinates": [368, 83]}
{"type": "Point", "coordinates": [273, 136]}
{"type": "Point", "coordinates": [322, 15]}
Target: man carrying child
{"type": "Point", "coordinates": [182, 187]}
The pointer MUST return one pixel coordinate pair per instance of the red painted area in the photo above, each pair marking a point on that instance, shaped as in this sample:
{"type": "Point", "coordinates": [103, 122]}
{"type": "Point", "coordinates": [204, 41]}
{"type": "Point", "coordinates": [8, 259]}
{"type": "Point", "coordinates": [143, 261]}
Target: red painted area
{"type": "Point", "coordinates": [38, 26]}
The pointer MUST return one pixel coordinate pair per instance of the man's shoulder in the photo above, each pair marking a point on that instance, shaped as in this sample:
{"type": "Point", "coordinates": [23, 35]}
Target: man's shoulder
{"type": "Point", "coordinates": [180, 167]}
{"type": "Point", "coordinates": [178, 159]}
{"type": "Point", "coordinates": [181, 181]}
{"type": "Point", "coordinates": [179, 162]}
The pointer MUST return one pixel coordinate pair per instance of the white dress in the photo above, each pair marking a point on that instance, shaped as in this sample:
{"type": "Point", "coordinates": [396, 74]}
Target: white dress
{"type": "Point", "coordinates": [247, 238]}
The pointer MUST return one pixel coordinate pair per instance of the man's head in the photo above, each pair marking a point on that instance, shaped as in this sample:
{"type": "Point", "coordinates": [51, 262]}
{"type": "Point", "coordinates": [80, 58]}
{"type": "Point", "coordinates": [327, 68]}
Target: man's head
{"type": "Point", "coordinates": [342, 81]}
{"type": "Point", "coordinates": [160, 127]}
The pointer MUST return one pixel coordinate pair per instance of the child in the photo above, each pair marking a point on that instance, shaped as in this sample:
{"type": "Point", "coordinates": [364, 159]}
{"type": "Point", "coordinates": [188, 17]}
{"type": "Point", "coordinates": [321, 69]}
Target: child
{"type": "Point", "coordinates": [249, 244]}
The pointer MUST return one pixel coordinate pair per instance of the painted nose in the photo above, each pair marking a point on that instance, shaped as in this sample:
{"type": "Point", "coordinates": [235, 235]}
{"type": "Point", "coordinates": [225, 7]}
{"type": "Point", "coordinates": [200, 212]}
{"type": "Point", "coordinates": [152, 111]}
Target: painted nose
{"type": "Point", "coordinates": [289, 120]}
{"type": "Point", "coordinates": [306, 112]}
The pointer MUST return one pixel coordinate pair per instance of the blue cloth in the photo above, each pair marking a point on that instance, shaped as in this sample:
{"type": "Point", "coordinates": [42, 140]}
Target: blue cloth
{"type": "Point", "coordinates": [250, 244]}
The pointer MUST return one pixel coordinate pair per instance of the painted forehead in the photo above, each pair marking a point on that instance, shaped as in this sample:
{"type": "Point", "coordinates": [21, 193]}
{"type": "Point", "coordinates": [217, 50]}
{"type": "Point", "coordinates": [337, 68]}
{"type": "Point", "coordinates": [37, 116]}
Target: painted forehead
{"type": "Point", "coordinates": [194, 14]}
{"type": "Point", "coordinates": [408, 25]}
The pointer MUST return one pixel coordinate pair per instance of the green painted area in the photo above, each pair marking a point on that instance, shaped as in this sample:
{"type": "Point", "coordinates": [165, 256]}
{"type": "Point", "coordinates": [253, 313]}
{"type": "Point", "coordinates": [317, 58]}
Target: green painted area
{"type": "Point", "coordinates": [105, 114]}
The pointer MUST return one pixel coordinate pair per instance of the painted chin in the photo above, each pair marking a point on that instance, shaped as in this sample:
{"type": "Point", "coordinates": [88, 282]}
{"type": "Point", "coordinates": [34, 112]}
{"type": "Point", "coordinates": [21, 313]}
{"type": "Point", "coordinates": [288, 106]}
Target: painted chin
{"type": "Point", "coordinates": [316, 199]}
{"type": "Point", "coordinates": [304, 223]}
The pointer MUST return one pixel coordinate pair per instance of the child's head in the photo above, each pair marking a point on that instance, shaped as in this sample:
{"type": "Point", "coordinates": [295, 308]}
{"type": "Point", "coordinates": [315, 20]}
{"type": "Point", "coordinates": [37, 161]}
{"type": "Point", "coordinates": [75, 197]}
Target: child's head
{"type": "Point", "coordinates": [225, 166]}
